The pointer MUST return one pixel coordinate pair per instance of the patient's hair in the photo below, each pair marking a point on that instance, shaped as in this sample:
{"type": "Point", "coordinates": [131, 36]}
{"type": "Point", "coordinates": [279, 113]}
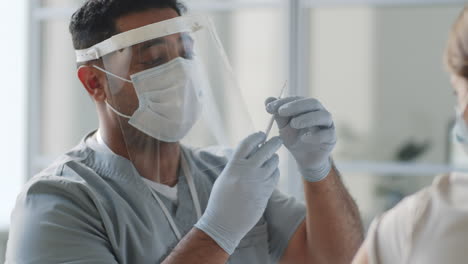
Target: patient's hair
{"type": "Point", "coordinates": [95, 20]}
{"type": "Point", "coordinates": [456, 53]}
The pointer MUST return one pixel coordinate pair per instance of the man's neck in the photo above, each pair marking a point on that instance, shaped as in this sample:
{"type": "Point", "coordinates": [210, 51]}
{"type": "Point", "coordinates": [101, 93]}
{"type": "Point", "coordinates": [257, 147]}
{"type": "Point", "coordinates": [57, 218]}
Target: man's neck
{"type": "Point", "coordinates": [154, 160]}
{"type": "Point", "coordinates": [160, 164]}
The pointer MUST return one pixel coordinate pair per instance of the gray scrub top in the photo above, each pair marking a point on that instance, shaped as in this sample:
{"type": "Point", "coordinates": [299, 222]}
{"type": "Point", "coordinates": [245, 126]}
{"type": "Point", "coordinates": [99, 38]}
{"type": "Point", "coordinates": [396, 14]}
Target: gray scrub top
{"type": "Point", "coordinates": [91, 207]}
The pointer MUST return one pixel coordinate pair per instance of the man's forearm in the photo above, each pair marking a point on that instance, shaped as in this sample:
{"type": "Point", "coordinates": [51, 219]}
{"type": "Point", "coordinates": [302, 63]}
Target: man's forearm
{"type": "Point", "coordinates": [334, 227]}
{"type": "Point", "coordinates": [197, 247]}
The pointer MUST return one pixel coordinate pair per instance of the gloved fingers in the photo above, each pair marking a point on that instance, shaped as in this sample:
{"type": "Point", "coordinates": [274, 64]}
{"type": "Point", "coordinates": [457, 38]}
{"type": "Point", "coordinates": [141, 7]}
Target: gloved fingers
{"type": "Point", "coordinates": [271, 164]}
{"type": "Point", "coordinates": [266, 151]}
{"type": "Point", "coordinates": [273, 106]}
{"type": "Point", "coordinates": [326, 136]}
{"type": "Point", "coordinates": [280, 121]}
{"type": "Point", "coordinates": [269, 100]}
{"type": "Point", "coordinates": [274, 177]}
{"type": "Point", "coordinates": [300, 106]}
{"type": "Point", "coordinates": [321, 118]}
{"type": "Point", "coordinates": [249, 145]}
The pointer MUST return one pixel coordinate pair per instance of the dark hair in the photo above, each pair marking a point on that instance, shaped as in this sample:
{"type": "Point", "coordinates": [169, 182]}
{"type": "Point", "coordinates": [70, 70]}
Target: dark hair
{"type": "Point", "coordinates": [95, 20]}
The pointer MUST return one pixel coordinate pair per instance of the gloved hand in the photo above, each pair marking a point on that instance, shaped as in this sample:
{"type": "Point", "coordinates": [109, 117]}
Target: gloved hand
{"type": "Point", "coordinates": [240, 194]}
{"type": "Point", "coordinates": [308, 132]}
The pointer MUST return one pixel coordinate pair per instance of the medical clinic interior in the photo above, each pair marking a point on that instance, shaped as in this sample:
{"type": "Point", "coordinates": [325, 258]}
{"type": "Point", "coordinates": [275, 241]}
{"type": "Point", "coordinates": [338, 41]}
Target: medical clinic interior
{"type": "Point", "coordinates": [379, 69]}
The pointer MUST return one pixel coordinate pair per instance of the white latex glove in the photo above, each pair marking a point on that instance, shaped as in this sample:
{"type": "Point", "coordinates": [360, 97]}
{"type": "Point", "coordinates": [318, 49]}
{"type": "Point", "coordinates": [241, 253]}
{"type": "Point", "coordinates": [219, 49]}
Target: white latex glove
{"type": "Point", "coordinates": [240, 194]}
{"type": "Point", "coordinates": [308, 132]}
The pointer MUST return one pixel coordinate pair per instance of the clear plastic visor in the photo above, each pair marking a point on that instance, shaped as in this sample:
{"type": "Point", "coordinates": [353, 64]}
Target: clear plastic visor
{"type": "Point", "coordinates": [176, 95]}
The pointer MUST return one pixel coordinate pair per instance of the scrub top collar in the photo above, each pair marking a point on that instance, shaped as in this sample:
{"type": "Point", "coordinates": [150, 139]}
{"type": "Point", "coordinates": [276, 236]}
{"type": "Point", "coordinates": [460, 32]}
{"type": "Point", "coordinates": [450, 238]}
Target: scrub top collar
{"type": "Point", "coordinates": [108, 164]}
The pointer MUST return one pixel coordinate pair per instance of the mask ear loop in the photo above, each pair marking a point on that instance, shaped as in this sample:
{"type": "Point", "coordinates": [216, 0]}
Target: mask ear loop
{"type": "Point", "coordinates": [111, 74]}
{"type": "Point", "coordinates": [107, 102]}
{"type": "Point", "coordinates": [116, 111]}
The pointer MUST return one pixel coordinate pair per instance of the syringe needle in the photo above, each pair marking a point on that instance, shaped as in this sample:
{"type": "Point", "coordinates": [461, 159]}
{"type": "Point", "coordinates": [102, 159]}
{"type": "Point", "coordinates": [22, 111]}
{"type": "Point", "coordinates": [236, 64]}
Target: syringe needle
{"type": "Point", "coordinates": [272, 120]}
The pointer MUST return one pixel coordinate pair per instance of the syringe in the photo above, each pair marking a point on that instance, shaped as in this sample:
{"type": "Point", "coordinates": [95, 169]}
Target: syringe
{"type": "Point", "coordinates": [272, 120]}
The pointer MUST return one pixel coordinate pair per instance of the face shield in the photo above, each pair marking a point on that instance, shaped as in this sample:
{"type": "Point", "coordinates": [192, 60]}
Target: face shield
{"type": "Point", "coordinates": [171, 84]}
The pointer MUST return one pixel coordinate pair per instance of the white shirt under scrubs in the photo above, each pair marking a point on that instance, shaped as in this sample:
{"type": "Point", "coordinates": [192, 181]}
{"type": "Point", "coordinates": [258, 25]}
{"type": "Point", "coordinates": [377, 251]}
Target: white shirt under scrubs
{"type": "Point", "coordinates": [90, 206]}
{"type": "Point", "coordinates": [430, 227]}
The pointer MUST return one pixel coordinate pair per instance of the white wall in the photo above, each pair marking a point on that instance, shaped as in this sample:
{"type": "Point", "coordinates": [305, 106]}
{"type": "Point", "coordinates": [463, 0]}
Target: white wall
{"type": "Point", "coordinates": [342, 77]}
{"type": "Point", "coordinates": [379, 71]}
{"type": "Point", "coordinates": [13, 106]}
{"type": "Point", "coordinates": [68, 113]}
{"type": "Point", "coordinates": [13, 110]}
{"type": "Point", "coordinates": [414, 94]}
{"type": "Point", "coordinates": [342, 73]}
{"type": "Point", "coordinates": [381, 2]}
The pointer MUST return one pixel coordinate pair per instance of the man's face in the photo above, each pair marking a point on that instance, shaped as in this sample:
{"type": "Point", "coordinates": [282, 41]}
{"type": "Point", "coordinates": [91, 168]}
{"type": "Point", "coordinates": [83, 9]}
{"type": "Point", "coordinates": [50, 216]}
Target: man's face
{"type": "Point", "coordinates": [143, 56]}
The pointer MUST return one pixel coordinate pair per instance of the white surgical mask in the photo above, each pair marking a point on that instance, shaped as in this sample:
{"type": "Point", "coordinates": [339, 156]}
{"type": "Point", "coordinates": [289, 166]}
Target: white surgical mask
{"type": "Point", "coordinates": [169, 99]}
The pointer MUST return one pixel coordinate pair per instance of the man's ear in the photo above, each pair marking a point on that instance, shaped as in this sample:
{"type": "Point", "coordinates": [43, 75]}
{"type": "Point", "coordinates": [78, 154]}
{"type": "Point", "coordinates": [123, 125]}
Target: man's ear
{"type": "Point", "coordinates": [94, 81]}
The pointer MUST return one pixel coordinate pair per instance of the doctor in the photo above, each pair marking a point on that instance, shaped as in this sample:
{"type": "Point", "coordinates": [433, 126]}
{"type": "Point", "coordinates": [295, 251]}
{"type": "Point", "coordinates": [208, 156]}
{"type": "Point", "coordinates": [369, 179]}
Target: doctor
{"type": "Point", "coordinates": [144, 187]}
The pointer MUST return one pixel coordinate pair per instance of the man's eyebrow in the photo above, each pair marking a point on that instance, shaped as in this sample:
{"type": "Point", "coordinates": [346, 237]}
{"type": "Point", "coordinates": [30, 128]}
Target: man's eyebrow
{"type": "Point", "coordinates": [151, 43]}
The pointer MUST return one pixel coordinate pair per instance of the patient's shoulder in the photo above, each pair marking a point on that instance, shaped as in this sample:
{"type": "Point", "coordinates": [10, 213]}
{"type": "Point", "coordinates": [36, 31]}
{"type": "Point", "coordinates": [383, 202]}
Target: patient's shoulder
{"type": "Point", "coordinates": [420, 227]}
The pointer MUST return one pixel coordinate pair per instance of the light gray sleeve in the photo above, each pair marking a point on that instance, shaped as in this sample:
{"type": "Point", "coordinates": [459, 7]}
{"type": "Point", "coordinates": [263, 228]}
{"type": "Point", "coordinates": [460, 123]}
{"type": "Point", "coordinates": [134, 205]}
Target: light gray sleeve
{"type": "Point", "coordinates": [283, 214]}
{"type": "Point", "coordinates": [56, 222]}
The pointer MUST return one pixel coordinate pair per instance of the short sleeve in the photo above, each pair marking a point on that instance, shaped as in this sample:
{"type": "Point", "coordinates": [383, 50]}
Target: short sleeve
{"type": "Point", "coordinates": [55, 222]}
{"type": "Point", "coordinates": [389, 237]}
{"type": "Point", "coordinates": [283, 214]}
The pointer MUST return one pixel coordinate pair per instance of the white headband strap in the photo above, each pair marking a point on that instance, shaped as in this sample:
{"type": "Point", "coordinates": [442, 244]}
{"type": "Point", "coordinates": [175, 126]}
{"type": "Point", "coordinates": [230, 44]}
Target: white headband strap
{"type": "Point", "coordinates": [132, 37]}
